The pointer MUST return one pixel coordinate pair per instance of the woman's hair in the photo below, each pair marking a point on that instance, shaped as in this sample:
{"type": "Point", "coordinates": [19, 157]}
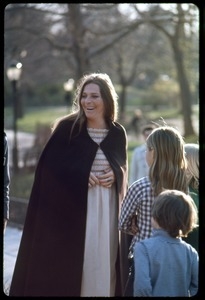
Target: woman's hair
{"type": "Point", "coordinates": [168, 170]}
{"type": "Point", "coordinates": [175, 212]}
{"type": "Point", "coordinates": [192, 172]}
{"type": "Point", "coordinates": [107, 92]}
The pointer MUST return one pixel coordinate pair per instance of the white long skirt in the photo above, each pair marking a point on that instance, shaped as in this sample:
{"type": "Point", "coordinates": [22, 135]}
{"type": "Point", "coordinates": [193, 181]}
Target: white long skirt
{"type": "Point", "coordinates": [101, 243]}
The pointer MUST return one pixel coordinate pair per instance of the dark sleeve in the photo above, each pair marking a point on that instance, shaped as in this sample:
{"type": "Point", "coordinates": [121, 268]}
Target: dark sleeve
{"type": "Point", "coordinates": [6, 179]}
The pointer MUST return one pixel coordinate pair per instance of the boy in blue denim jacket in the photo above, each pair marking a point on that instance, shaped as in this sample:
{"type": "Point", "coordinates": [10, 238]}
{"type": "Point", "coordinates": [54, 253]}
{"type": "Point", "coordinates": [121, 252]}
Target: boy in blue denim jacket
{"type": "Point", "coordinates": [164, 264]}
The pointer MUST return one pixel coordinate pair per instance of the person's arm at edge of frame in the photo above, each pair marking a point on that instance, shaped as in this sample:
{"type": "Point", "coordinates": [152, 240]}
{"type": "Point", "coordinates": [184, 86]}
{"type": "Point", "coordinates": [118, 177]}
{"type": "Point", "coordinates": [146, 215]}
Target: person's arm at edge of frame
{"type": "Point", "coordinates": [6, 183]}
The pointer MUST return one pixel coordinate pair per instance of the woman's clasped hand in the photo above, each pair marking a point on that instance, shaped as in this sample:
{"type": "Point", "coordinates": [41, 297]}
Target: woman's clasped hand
{"type": "Point", "coordinates": [105, 179]}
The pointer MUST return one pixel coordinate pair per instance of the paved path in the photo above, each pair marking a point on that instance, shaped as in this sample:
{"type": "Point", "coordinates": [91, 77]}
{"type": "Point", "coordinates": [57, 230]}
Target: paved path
{"type": "Point", "coordinates": [11, 243]}
{"type": "Point", "coordinates": [12, 235]}
{"type": "Point", "coordinates": [24, 139]}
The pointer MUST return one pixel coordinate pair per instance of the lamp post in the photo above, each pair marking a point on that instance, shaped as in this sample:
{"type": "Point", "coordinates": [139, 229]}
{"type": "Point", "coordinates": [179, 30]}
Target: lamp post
{"type": "Point", "coordinates": [14, 73]}
{"type": "Point", "coordinates": [68, 88]}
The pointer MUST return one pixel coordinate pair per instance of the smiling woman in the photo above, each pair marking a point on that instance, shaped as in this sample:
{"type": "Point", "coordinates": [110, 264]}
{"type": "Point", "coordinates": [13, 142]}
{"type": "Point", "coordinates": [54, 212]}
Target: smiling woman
{"type": "Point", "coordinates": [73, 209]}
{"type": "Point", "coordinates": [93, 106]}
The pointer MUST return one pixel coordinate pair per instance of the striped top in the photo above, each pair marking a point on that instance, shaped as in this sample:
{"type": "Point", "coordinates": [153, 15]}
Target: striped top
{"type": "Point", "coordinates": [100, 162]}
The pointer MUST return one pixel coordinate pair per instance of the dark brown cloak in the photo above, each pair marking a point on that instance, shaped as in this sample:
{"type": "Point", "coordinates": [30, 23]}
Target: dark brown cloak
{"type": "Point", "coordinates": [50, 257]}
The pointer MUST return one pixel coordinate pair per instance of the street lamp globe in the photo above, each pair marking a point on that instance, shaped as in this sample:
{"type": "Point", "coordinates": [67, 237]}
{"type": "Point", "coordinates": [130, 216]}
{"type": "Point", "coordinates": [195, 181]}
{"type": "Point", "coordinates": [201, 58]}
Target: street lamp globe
{"type": "Point", "coordinates": [68, 85]}
{"type": "Point", "coordinates": [68, 88]}
{"type": "Point", "coordinates": [14, 71]}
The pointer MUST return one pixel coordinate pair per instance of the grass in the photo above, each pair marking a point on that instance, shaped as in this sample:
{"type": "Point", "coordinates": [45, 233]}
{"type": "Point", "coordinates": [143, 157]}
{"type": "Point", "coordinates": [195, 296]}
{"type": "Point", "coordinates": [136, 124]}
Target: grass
{"type": "Point", "coordinates": [34, 116]}
{"type": "Point", "coordinates": [21, 184]}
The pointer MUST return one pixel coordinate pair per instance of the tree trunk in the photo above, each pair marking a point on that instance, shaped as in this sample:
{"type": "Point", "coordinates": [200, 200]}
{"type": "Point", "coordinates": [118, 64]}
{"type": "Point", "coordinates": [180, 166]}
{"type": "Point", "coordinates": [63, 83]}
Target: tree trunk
{"type": "Point", "coordinates": [122, 103]}
{"type": "Point", "coordinates": [80, 50]}
{"type": "Point", "coordinates": [185, 93]}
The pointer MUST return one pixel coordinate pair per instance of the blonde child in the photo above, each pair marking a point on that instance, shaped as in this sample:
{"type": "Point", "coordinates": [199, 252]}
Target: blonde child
{"type": "Point", "coordinates": [165, 156]}
{"type": "Point", "coordinates": [192, 173]}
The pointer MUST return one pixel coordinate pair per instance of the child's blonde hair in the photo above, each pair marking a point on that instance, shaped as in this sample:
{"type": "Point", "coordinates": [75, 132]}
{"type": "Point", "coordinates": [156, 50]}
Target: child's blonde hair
{"type": "Point", "coordinates": [169, 165]}
{"type": "Point", "coordinates": [192, 156]}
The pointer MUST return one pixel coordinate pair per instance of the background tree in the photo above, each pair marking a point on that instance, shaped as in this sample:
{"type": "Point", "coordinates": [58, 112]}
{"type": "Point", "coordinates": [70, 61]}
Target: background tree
{"type": "Point", "coordinates": [177, 37]}
{"type": "Point", "coordinates": [60, 41]}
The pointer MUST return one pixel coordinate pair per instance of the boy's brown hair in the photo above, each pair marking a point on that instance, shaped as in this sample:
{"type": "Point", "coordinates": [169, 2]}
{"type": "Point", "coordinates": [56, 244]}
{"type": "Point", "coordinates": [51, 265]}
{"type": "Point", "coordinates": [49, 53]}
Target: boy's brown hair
{"type": "Point", "coordinates": [175, 212]}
